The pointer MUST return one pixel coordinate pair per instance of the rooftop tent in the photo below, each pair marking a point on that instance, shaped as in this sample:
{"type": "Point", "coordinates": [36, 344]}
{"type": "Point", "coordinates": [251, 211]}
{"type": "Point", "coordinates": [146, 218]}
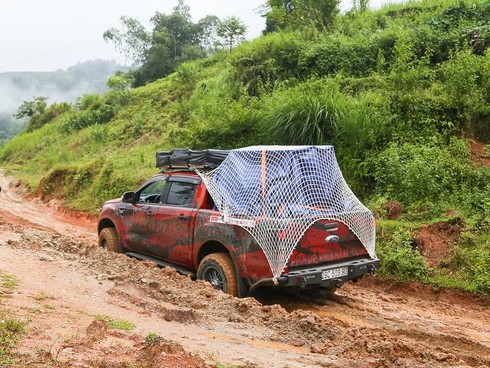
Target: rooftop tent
{"type": "Point", "coordinates": [266, 188]}
{"type": "Point", "coordinates": [186, 158]}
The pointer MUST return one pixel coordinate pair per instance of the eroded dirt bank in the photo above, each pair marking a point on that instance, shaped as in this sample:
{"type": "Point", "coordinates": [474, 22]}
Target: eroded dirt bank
{"type": "Point", "coordinates": [68, 290]}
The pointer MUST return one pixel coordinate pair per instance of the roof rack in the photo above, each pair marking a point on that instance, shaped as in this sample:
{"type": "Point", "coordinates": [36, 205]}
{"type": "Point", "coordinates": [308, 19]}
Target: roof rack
{"type": "Point", "coordinates": [184, 158]}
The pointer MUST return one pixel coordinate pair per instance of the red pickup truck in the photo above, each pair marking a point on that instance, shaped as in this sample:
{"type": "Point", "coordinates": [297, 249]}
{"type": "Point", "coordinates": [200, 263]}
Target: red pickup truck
{"type": "Point", "coordinates": [169, 220]}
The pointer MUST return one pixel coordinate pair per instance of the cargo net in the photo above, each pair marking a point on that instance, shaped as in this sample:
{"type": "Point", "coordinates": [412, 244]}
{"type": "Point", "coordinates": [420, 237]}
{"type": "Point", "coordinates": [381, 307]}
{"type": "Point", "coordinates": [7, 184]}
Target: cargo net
{"type": "Point", "coordinates": [276, 193]}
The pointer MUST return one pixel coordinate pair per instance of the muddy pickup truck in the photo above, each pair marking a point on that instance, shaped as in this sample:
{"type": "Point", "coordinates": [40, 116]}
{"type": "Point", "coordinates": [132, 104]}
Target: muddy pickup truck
{"type": "Point", "coordinates": [177, 218]}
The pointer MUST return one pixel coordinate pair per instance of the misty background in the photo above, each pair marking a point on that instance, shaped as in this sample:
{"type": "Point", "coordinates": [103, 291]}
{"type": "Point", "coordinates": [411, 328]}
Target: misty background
{"type": "Point", "coordinates": [58, 86]}
{"type": "Point", "coordinates": [59, 35]}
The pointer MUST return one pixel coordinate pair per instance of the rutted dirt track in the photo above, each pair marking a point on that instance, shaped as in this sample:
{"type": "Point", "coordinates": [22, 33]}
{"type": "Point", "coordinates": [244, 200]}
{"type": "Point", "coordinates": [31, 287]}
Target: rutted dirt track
{"type": "Point", "coordinates": [66, 283]}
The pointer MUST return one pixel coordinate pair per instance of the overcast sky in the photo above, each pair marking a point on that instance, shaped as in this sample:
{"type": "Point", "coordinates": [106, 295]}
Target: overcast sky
{"type": "Point", "coordinates": [46, 35]}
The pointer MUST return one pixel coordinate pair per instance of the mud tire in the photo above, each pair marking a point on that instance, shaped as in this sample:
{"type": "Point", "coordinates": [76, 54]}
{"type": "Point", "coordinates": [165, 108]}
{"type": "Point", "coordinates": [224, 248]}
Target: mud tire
{"type": "Point", "coordinates": [218, 269]}
{"type": "Point", "coordinates": [109, 240]}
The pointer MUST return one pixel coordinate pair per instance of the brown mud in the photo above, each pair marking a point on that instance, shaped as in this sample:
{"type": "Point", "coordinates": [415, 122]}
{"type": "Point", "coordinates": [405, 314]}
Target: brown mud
{"type": "Point", "coordinates": [72, 294]}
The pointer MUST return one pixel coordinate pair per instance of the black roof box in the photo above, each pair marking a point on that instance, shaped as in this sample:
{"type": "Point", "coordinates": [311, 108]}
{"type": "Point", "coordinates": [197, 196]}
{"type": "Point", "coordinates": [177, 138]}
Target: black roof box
{"type": "Point", "coordinates": [183, 158]}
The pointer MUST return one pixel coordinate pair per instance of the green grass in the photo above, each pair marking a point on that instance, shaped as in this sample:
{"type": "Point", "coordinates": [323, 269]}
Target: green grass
{"type": "Point", "coordinates": [120, 324]}
{"type": "Point", "coordinates": [42, 296]}
{"type": "Point", "coordinates": [214, 359]}
{"type": "Point", "coordinates": [11, 329]}
{"type": "Point", "coordinates": [8, 282]}
{"type": "Point", "coordinates": [399, 260]}
{"type": "Point", "coordinates": [153, 338]}
{"type": "Point", "coordinates": [466, 270]}
{"type": "Point", "coordinates": [116, 324]}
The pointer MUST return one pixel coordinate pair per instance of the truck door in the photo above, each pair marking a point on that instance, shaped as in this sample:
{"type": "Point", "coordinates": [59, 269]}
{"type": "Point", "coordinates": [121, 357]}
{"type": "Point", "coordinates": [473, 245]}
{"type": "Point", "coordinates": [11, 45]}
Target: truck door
{"type": "Point", "coordinates": [140, 217]}
{"type": "Point", "coordinates": [176, 219]}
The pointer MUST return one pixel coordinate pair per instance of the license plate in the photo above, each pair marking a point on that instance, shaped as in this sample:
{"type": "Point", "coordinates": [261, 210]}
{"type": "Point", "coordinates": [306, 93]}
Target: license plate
{"type": "Point", "coordinates": [336, 272]}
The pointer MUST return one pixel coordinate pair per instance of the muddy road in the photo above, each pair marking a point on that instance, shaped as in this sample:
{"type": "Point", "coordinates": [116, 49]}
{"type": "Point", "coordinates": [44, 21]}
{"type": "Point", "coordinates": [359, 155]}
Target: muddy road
{"type": "Point", "coordinates": [84, 307]}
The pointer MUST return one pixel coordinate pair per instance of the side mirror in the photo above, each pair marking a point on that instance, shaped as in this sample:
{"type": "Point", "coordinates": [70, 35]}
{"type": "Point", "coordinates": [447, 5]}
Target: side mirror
{"type": "Point", "coordinates": [128, 197]}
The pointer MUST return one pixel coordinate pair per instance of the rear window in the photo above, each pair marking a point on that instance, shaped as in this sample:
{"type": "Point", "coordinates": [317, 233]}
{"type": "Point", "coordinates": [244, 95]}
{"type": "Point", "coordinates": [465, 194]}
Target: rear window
{"type": "Point", "coordinates": [180, 194]}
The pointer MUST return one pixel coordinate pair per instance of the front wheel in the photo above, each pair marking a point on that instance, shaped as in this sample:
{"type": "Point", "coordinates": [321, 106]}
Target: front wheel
{"type": "Point", "coordinates": [218, 269]}
{"type": "Point", "coordinates": [109, 240]}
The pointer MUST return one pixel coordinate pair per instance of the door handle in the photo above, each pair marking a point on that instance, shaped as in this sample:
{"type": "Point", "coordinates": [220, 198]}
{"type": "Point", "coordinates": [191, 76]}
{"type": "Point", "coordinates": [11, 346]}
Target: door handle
{"type": "Point", "coordinates": [148, 211]}
{"type": "Point", "coordinates": [183, 217]}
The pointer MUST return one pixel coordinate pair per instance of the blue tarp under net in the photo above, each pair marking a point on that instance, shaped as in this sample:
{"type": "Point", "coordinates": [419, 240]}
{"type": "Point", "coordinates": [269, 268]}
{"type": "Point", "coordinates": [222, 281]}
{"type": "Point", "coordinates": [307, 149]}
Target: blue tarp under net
{"type": "Point", "coordinates": [281, 183]}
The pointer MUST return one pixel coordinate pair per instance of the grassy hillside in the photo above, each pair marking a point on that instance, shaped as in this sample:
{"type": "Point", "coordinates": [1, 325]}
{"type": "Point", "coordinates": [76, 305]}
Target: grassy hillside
{"type": "Point", "coordinates": [403, 93]}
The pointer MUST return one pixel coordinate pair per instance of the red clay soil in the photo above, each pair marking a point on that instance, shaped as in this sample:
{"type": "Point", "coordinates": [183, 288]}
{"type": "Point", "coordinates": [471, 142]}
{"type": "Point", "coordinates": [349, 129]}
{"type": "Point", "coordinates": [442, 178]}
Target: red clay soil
{"type": "Point", "coordinates": [76, 300]}
{"type": "Point", "coordinates": [436, 241]}
{"type": "Point", "coordinates": [393, 209]}
{"type": "Point", "coordinates": [479, 154]}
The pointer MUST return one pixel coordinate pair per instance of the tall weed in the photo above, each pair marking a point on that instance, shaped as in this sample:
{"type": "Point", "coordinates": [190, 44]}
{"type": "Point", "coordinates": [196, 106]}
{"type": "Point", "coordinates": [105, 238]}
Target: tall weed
{"type": "Point", "coordinates": [308, 114]}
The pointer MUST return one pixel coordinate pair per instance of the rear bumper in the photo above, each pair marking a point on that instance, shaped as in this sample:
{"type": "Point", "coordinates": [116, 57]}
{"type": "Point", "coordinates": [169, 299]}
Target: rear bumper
{"type": "Point", "coordinates": [332, 275]}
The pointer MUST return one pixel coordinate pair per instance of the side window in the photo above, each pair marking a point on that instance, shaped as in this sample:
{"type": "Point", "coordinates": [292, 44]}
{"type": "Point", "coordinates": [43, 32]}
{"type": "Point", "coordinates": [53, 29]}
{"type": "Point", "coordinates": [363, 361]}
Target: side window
{"type": "Point", "coordinates": [152, 193]}
{"type": "Point", "coordinates": [180, 194]}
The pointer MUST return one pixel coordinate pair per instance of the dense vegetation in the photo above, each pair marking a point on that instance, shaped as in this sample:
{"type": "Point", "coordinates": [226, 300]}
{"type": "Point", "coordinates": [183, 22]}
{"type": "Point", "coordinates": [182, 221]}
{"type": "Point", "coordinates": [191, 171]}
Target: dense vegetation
{"type": "Point", "coordinates": [403, 93]}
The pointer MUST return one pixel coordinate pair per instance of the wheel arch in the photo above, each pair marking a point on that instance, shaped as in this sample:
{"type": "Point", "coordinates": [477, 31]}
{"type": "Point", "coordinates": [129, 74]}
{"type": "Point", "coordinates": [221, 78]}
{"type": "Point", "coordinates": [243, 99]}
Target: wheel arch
{"type": "Point", "coordinates": [210, 247]}
{"type": "Point", "coordinates": [105, 223]}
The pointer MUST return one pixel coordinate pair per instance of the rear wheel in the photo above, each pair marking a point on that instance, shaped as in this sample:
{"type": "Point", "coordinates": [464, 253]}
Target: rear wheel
{"type": "Point", "coordinates": [218, 269]}
{"type": "Point", "coordinates": [109, 240]}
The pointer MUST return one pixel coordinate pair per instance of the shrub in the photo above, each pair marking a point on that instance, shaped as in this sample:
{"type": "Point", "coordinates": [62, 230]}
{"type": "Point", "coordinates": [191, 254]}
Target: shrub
{"type": "Point", "coordinates": [268, 61]}
{"type": "Point", "coordinates": [399, 259]}
{"type": "Point", "coordinates": [89, 102]}
{"type": "Point", "coordinates": [79, 120]}
{"type": "Point", "coordinates": [466, 81]}
{"type": "Point", "coordinates": [418, 174]}
{"type": "Point", "coordinates": [472, 257]}
{"type": "Point", "coordinates": [228, 124]}
{"type": "Point", "coordinates": [99, 133]}
{"type": "Point", "coordinates": [329, 58]}
{"type": "Point", "coordinates": [95, 110]}
{"type": "Point", "coordinates": [51, 113]}
{"type": "Point", "coordinates": [187, 72]}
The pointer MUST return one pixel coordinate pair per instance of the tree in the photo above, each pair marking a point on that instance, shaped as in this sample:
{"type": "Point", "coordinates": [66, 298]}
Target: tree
{"type": "Point", "coordinates": [361, 5]}
{"type": "Point", "coordinates": [207, 32]}
{"type": "Point", "coordinates": [232, 31]}
{"type": "Point", "coordinates": [173, 40]}
{"type": "Point", "coordinates": [175, 31]}
{"type": "Point", "coordinates": [296, 14]}
{"type": "Point", "coordinates": [119, 81]}
{"type": "Point", "coordinates": [31, 109]}
{"type": "Point", "coordinates": [8, 127]}
{"type": "Point", "coordinates": [133, 41]}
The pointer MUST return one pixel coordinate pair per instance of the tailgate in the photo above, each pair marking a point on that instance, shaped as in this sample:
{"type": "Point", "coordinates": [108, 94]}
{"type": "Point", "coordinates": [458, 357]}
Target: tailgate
{"type": "Point", "coordinates": [326, 241]}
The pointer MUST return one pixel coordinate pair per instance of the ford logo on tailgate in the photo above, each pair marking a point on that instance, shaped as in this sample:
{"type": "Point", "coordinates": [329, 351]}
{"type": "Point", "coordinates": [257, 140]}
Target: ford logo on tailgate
{"type": "Point", "coordinates": [332, 239]}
